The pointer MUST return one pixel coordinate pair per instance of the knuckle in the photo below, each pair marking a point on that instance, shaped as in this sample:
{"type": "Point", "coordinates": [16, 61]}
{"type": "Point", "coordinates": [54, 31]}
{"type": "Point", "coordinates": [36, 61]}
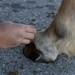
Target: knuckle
{"type": "Point", "coordinates": [31, 26]}
{"type": "Point", "coordinates": [25, 26]}
{"type": "Point", "coordinates": [34, 30]}
{"type": "Point", "coordinates": [19, 35]}
{"type": "Point", "coordinates": [16, 43]}
{"type": "Point", "coordinates": [32, 36]}
{"type": "Point", "coordinates": [22, 26]}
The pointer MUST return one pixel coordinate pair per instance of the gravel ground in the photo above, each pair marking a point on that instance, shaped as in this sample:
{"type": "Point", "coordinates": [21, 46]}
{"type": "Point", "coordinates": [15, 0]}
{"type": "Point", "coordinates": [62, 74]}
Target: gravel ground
{"type": "Point", "coordinates": [40, 13]}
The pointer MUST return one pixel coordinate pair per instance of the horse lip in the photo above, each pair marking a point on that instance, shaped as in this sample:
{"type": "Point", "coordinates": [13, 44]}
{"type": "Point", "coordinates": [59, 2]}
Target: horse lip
{"type": "Point", "coordinates": [41, 60]}
{"type": "Point", "coordinates": [40, 52]}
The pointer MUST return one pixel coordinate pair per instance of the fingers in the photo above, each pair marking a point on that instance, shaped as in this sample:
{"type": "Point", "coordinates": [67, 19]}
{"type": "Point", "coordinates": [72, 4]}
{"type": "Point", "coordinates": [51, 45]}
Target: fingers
{"type": "Point", "coordinates": [29, 35]}
{"type": "Point", "coordinates": [25, 41]}
{"type": "Point", "coordinates": [30, 28]}
{"type": "Point", "coordinates": [27, 28]}
{"type": "Point", "coordinates": [28, 32]}
{"type": "Point", "coordinates": [26, 35]}
{"type": "Point", "coordinates": [25, 38]}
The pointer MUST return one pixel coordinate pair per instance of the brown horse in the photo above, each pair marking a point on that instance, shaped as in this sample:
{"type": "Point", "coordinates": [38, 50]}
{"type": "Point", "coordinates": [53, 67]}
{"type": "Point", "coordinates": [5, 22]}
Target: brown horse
{"type": "Point", "coordinates": [59, 37]}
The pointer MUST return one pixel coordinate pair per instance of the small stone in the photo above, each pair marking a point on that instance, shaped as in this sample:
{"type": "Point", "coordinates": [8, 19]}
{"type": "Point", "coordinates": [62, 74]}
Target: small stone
{"type": "Point", "coordinates": [33, 19]}
{"type": "Point", "coordinates": [13, 73]}
{"type": "Point", "coordinates": [52, 13]}
{"type": "Point", "coordinates": [35, 72]}
{"type": "Point", "coordinates": [22, 66]}
{"type": "Point", "coordinates": [48, 15]}
{"type": "Point", "coordinates": [53, 16]}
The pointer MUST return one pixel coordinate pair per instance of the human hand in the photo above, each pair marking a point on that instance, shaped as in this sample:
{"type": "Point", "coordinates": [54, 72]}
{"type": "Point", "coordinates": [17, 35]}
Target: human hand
{"type": "Point", "coordinates": [14, 34]}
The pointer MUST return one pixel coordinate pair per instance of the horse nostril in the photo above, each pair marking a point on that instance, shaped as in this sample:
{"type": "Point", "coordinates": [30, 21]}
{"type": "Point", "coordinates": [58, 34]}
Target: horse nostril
{"type": "Point", "coordinates": [31, 52]}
